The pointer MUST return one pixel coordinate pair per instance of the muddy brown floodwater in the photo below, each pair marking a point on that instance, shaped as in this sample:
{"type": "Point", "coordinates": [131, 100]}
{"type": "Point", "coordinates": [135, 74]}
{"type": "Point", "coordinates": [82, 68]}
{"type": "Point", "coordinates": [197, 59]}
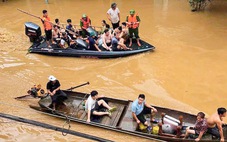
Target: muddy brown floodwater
{"type": "Point", "coordinates": [186, 72]}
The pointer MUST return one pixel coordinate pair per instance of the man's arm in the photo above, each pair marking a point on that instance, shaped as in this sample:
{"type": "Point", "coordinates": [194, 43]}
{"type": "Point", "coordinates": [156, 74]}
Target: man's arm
{"type": "Point", "coordinates": [96, 46]}
{"type": "Point", "coordinates": [108, 16]}
{"type": "Point", "coordinates": [81, 24]}
{"type": "Point", "coordinates": [49, 92]}
{"type": "Point", "coordinates": [151, 107]}
{"type": "Point", "coordinates": [88, 116]}
{"type": "Point", "coordinates": [219, 125]}
{"type": "Point", "coordinates": [56, 90]}
{"type": "Point", "coordinates": [48, 89]}
{"type": "Point", "coordinates": [200, 136]}
{"type": "Point", "coordinates": [135, 117]}
{"type": "Point", "coordinates": [127, 20]}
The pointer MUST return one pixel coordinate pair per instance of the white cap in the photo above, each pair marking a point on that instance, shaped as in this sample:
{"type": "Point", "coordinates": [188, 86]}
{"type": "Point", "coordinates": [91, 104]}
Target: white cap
{"type": "Point", "coordinates": [52, 78]}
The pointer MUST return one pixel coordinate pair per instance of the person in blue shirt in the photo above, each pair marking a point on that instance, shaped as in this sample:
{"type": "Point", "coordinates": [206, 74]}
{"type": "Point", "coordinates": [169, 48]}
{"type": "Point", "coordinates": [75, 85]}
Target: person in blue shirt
{"type": "Point", "coordinates": [140, 108]}
{"type": "Point", "coordinates": [70, 29]}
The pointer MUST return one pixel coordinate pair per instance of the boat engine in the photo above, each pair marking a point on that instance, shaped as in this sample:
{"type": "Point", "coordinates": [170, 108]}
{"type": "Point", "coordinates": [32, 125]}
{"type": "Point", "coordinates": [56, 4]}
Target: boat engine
{"type": "Point", "coordinates": [33, 31]}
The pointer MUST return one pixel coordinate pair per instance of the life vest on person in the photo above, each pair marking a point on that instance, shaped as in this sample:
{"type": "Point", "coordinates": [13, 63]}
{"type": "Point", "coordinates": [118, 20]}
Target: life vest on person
{"type": "Point", "coordinates": [46, 23]}
{"type": "Point", "coordinates": [132, 21]}
{"type": "Point", "coordinates": [85, 23]}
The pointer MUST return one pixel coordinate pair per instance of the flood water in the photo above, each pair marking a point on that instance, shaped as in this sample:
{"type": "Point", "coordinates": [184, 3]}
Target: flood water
{"type": "Point", "coordinates": [186, 72]}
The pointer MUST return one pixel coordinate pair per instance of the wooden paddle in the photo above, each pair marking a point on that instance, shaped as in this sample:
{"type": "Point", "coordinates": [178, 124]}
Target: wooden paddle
{"type": "Point", "coordinates": [70, 89]}
{"type": "Point", "coordinates": [27, 96]}
{"type": "Point", "coordinates": [45, 20]}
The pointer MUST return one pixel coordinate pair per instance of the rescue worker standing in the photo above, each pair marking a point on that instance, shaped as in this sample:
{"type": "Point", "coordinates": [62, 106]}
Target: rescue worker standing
{"type": "Point", "coordinates": [133, 22]}
{"type": "Point", "coordinates": [47, 27]}
{"type": "Point", "coordinates": [85, 22]}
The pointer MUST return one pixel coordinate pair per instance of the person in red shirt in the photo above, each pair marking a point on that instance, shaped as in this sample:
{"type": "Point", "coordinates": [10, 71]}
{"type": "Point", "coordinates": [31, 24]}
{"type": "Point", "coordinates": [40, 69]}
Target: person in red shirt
{"type": "Point", "coordinates": [47, 27]}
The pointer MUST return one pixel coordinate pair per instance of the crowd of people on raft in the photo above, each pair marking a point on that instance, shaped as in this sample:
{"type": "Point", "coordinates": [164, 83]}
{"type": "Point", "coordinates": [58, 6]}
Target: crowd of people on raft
{"type": "Point", "coordinates": [110, 39]}
{"type": "Point", "coordinates": [95, 103]}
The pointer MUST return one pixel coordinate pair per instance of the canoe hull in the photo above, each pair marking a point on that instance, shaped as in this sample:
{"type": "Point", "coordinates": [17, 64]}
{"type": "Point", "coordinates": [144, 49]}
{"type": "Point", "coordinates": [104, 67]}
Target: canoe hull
{"type": "Point", "coordinates": [121, 120]}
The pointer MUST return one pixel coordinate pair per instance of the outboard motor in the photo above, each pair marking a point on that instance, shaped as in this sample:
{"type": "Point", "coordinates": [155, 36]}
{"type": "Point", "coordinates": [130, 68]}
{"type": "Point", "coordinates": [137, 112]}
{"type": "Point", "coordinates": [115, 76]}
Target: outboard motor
{"type": "Point", "coordinates": [81, 43]}
{"type": "Point", "coordinates": [33, 31]}
{"type": "Point", "coordinates": [91, 30]}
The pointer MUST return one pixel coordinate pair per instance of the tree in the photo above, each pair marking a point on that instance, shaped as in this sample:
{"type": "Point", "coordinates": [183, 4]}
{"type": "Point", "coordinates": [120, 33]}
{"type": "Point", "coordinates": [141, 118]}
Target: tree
{"type": "Point", "coordinates": [197, 5]}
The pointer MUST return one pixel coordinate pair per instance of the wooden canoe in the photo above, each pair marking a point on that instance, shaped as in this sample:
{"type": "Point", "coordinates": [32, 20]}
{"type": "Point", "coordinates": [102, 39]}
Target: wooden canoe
{"type": "Point", "coordinates": [121, 119]}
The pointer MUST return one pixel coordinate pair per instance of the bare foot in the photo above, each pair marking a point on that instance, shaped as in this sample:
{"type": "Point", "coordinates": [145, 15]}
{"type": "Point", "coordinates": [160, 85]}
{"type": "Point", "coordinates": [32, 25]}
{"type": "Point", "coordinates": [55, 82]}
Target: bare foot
{"type": "Point", "coordinates": [138, 43]}
{"type": "Point", "coordinates": [130, 44]}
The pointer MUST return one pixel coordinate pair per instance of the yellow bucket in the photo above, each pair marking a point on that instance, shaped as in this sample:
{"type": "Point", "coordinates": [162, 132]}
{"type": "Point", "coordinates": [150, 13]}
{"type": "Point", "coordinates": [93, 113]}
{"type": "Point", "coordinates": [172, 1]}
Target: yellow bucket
{"type": "Point", "coordinates": [142, 127]}
{"type": "Point", "coordinates": [155, 130]}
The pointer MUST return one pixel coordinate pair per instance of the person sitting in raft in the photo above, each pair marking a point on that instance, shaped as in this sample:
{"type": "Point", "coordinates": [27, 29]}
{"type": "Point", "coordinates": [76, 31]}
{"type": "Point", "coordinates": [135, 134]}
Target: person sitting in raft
{"type": "Point", "coordinates": [140, 108]}
{"type": "Point", "coordinates": [92, 42]}
{"type": "Point", "coordinates": [106, 40]}
{"type": "Point", "coordinates": [56, 34]}
{"type": "Point", "coordinates": [120, 33]}
{"type": "Point", "coordinates": [124, 34]}
{"type": "Point", "coordinates": [71, 30]}
{"type": "Point", "coordinates": [94, 104]}
{"type": "Point", "coordinates": [66, 41]}
{"type": "Point", "coordinates": [104, 26]}
{"type": "Point", "coordinates": [57, 22]}
{"type": "Point", "coordinates": [85, 22]}
{"type": "Point", "coordinates": [133, 22]}
{"type": "Point", "coordinates": [200, 127]}
{"type": "Point", "coordinates": [215, 122]}
{"type": "Point", "coordinates": [53, 89]}
{"type": "Point", "coordinates": [117, 42]}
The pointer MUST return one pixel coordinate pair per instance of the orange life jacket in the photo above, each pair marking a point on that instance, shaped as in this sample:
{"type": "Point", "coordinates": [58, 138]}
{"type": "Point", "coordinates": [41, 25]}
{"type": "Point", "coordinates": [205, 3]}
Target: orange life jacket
{"type": "Point", "coordinates": [85, 23]}
{"type": "Point", "coordinates": [46, 23]}
{"type": "Point", "coordinates": [132, 19]}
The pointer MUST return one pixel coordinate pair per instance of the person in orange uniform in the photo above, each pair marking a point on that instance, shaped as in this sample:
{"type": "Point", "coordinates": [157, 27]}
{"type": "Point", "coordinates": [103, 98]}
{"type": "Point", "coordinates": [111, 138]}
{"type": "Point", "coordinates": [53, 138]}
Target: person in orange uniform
{"type": "Point", "coordinates": [133, 22]}
{"type": "Point", "coordinates": [85, 22]}
{"type": "Point", "coordinates": [47, 27]}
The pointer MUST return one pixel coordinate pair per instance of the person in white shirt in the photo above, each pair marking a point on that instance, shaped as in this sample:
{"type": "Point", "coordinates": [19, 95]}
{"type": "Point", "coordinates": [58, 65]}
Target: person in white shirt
{"type": "Point", "coordinates": [113, 14]}
{"type": "Point", "coordinates": [92, 106]}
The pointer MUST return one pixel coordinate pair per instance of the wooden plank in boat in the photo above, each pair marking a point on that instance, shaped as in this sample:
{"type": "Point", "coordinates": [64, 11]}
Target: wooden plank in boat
{"type": "Point", "coordinates": [83, 116]}
{"type": "Point", "coordinates": [128, 122]}
{"type": "Point", "coordinates": [118, 114]}
{"type": "Point", "coordinates": [106, 119]}
{"type": "Point", "coordinates": [115, 115]}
